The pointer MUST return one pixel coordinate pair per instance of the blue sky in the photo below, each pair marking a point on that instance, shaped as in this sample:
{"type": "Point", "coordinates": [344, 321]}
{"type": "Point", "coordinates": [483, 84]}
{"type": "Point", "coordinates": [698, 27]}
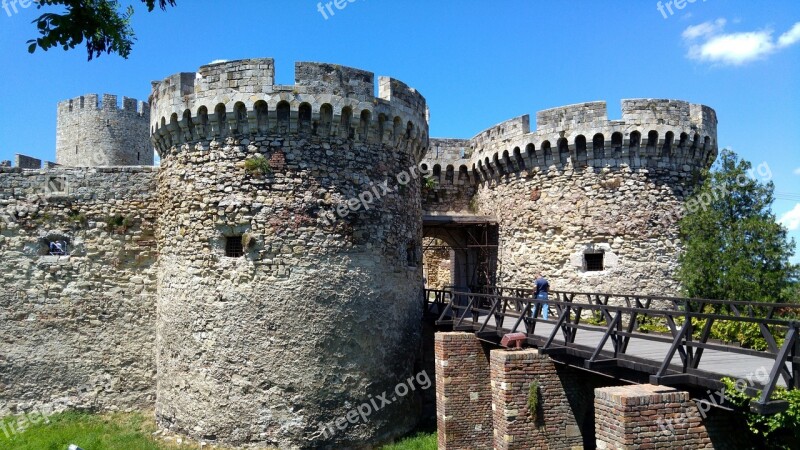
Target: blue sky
{"type": "Point", "coordinates": [477, 62]}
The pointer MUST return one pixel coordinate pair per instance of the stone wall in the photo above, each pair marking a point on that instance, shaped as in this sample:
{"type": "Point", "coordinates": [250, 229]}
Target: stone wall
{"type": "Point", "coordinates": [322, 310]}
{"type": "Point", "coordinates": [552, 424]}
{"type": "Point", "coordinates": [550, 220]}
{"type": "Point", "coordinates": [581, 184]}
{"type": "Point", "coordinates": [463, 392]}
{"type": "Point", "coordinates": [438, 264]}
{"type": "Point", "coordinates": [27, 162]}
{"type": "Point", "coordinates": [451, 186]}
{"type": "Point", "coordinates": [76, 331]}
{"type": "Point", "coordinates": [647, 416]}
{"type": "Point", "coordinates": [92, 133]}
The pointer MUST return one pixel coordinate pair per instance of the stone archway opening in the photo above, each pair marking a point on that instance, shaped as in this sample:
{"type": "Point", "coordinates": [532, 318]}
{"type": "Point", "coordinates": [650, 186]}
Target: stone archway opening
{"type": "Point", "coordinates": [460, 252]}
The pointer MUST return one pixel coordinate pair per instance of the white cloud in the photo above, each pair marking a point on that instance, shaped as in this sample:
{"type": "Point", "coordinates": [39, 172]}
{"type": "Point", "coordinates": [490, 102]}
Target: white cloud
{"type": "Point", "coordinates": [708, 43]}
{"type": "Point", "coordinates": [797, 171]}
{"type": "Point", "coordinates": [704, 29]}
{"type": "Point", "coordinates": [791, 219]}
{"type": "Point", "coordinates": [790, 37]}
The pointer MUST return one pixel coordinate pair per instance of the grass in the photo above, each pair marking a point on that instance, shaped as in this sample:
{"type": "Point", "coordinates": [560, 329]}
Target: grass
{"type": "Point", "coordinates": [88, 431]}
{"type": "Point", "coordinates": [420, 441]}
{"type": "Point", "coordinates": [117, 431]}
{"type": "Point", "coordinates": [123, 431]}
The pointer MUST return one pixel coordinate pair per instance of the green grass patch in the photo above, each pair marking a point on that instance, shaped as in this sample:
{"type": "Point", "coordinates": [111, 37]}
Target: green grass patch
{"type": "Point", "coordinates": [419, 441]}
{"type": "Point", "coordinates": [88, 431]}
{"type": "Point", "coordinates": [119, 431]}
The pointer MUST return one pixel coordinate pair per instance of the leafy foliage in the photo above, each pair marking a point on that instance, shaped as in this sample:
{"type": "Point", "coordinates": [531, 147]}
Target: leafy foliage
{"type": "Point", "coordinates": [781, 430]}
{"type": "Point", "coordinates": [651, 324]}
{"type": "Point", "coordinates": [258, 165]}
{"type": "Point", "coordinates": [101, 24]}
{"type": "Point", "coordinates": [534, 400]}
{"type": "Point", "coordinates": [735, 249]}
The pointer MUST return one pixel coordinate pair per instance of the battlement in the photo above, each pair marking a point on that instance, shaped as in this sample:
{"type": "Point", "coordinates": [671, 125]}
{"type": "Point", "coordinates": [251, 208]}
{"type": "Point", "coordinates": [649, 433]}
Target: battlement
{"type": "Point", "coordinates": [94, 131]}
{"type": "Point", "coordinates": [503, 131]}
{"type": "Point", "coordinates": [108, 102]}
{"type": "Point", "coordinates": [240, 98]}
{"type": "Point", "coordinates": [652, 133]}
{"type": "Point", "coordinates": [571, 116]}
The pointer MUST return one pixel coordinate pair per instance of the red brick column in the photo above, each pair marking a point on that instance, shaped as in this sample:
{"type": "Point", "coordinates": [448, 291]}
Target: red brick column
{"type": "Point", "coordinates": [463, 394]}
{"type": "Point", "coordinates": [514, 426]}
{"type": "Point", "coordinates": [647, 417]}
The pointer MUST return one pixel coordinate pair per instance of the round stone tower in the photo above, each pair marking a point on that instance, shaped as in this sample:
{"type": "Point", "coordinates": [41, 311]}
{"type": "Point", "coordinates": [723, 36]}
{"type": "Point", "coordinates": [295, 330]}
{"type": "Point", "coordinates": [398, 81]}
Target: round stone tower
{"type": "Point", "coordinates": [593, 203]}
{"type": "Point", "coordinates": [92, 133]}
{"type": "Point", "coordinates": [289, 243]}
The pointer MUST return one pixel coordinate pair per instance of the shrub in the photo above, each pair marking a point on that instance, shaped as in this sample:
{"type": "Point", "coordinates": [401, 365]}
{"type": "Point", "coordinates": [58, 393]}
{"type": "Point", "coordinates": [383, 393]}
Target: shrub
{"type": "Point", "coordinates": [257, 165]}
{"type": "Point", "coordinates": [781, 430]}
{"type": "Point", "coordinates": [118, 223]}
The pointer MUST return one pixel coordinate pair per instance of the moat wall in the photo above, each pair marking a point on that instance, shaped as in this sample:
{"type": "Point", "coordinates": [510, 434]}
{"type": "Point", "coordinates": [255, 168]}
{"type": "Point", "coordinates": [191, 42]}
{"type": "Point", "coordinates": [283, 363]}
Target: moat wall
{"type": "Point", "coordinates": [77, 331]}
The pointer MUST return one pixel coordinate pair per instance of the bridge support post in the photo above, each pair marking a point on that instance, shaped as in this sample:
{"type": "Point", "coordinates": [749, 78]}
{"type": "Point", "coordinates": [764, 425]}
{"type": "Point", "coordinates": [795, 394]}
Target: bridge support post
{"type": "Point", "coordinates": [531, 409]}
{"type": "Point", "coordinates": [463, 393]}
{"type": "Point", "coordinates": [647, 416]}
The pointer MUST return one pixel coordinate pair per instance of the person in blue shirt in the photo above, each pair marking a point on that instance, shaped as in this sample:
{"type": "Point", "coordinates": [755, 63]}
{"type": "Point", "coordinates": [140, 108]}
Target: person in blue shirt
{"type": "Point", "coordinates": [542, 293]}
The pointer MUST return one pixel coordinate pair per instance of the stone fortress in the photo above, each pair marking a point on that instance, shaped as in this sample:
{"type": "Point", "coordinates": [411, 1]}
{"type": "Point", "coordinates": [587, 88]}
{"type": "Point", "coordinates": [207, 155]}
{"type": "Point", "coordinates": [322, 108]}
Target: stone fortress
{"type": "Point", "coordinates": [223, 290]}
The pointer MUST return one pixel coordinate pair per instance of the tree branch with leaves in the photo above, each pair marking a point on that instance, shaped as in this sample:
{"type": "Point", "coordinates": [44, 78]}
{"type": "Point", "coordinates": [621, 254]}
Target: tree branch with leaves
{"type": "Point", "coordinates": [101, 24]}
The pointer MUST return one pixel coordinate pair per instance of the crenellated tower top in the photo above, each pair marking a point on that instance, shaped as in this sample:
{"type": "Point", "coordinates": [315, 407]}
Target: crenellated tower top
{"type": "Point", "coordinates": [96, 131]}
{"type": "Point", "coordinates": [652, 133]}
{"type": "Point", "coordinates": [327, 101]}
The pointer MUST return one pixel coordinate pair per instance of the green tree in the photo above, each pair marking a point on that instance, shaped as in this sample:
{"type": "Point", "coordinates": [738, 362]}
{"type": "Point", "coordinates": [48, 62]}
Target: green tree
{"type": "Point", "coordinates": [734, 248]}
{"type": "Point", "coordinates": [102, 24]}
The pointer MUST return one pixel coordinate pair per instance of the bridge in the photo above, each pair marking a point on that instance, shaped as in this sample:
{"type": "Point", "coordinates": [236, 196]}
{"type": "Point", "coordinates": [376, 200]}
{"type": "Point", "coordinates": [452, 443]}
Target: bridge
{"type": "Point", "coordinates": [613, 335]}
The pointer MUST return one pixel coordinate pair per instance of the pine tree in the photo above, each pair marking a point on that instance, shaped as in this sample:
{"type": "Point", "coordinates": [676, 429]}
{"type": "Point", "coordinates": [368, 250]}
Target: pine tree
{"type": "Point", "coordinates": [734, 249]}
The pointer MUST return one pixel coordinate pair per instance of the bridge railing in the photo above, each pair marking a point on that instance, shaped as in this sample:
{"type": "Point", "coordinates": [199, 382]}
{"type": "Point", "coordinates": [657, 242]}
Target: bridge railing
{"type": "Point", "coordinates": [688, 320]}
{"type": "Point", "coordinates": [436, 300]}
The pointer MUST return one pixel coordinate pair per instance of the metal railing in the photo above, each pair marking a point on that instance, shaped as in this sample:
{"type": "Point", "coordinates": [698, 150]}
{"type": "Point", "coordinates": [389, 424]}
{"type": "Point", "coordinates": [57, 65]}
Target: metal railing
{"type": "Point", "coordinates": [621, 318]}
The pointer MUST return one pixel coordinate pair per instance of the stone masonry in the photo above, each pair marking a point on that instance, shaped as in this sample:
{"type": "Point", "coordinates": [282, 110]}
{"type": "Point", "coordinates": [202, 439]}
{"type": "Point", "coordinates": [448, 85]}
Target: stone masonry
{"type": "Point", "coordinates": [245, 290]}
{"type": "Point", "coordinates": [319, 311]}
{"type": "Point", "coordinates": [552, 424]}
{"type": "Point", "coordinates": [76, 330]}
{"type": "Point", "coordinates": [581, 184]}
{"type": "Point", "coordinates": [647, 416]}
{"type": "Point", "coordinates": [91, 132]}
{"type": "Point", "coordinates": [463, 392]}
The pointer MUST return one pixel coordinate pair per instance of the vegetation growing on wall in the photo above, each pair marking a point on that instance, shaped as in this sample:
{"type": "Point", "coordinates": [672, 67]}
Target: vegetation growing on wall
{"type": "Point", "coordinates": [534, 400]}
{"type": "Point", "coordinates": [257, 166]}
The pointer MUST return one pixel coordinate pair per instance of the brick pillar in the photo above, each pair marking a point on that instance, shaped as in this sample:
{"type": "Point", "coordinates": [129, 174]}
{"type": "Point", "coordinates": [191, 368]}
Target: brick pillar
{"type": "Point", "coordinates": [463, 394]}
{"type": "Point", "coordinates": [647, 416]}
{"type": "Point", "coordinates": [555, 425]}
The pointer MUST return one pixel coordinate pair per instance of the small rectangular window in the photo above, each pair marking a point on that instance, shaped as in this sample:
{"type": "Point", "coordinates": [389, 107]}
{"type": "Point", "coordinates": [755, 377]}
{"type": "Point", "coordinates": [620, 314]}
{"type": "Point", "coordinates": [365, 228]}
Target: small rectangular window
{"type": "Point", "coordinates": [234, 247]}
{"type": "Point", "coordinates": [57, 248]}
{"type": "Point", "coordinates": [594, 262]}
